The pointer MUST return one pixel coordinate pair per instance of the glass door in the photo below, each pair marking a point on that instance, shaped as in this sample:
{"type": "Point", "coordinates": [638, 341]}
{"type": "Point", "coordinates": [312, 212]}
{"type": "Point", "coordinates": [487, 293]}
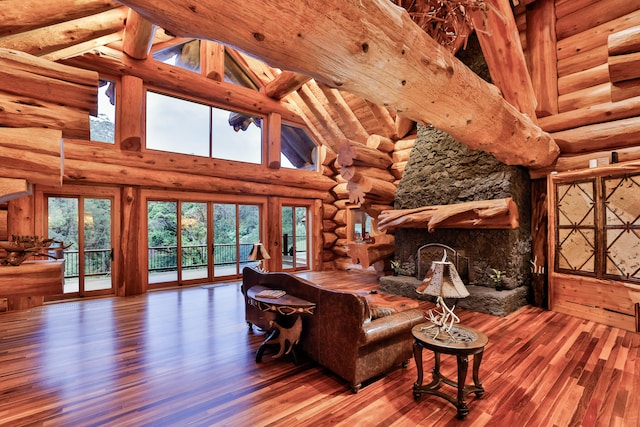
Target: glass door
{"type": "Point", "coordinates": [197, 241]}
{"type": "Point", "coordinates": [86, 224]}
{"type": "Point", "coordinates": [294, 242]}
{"type": "Point", "coordinates": [162, 238]}
{"type": "Point", "coordinates": [194, 252]}
{"type": "Point", "coordinates": [236, 227]}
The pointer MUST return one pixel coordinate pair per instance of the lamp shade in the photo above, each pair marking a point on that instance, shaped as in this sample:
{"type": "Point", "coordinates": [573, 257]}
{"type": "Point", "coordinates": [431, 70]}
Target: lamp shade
{"type": "Point", "coordinates": [258, 253]}
{"type": "Point", "coordinates": [443, 280]}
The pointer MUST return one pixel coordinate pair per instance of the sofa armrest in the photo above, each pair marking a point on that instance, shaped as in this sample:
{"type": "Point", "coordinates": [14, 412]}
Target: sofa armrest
{"type": "Point", "coordinates": [392, 325]}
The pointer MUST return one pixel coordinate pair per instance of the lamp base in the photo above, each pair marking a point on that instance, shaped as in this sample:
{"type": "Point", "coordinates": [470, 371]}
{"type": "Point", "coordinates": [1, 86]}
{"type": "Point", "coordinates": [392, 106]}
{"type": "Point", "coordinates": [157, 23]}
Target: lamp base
{"type": "Point", "coordinates": [444, 320]}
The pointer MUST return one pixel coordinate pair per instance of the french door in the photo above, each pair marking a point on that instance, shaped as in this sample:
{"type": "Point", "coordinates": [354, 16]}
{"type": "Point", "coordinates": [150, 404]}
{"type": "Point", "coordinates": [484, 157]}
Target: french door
{"type": "Point", "coordinates": [294, 240]}
{"type": "Point", "coordinates": [86, 223]}
{"type": "Point", "coordinates": [199, 241]}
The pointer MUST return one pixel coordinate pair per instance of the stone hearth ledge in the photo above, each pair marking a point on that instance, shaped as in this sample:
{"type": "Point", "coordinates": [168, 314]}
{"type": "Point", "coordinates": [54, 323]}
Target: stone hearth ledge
{"type": "Point", "coordinates": [481, 299]}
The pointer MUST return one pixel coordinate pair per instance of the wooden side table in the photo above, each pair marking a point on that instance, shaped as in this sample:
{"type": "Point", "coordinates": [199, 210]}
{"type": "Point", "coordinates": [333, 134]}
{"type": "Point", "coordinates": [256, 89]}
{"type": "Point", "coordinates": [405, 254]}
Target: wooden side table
{"type": "Point", "coordinates": [287, 324]}
{"type": "Point", "coordinates": [468, 341]}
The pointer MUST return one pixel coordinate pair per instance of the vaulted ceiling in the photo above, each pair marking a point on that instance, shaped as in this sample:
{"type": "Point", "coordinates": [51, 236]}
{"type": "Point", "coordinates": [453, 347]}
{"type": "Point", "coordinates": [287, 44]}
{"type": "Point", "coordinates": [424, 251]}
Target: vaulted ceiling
{"type": "Point", "coordinates": [66, 29]}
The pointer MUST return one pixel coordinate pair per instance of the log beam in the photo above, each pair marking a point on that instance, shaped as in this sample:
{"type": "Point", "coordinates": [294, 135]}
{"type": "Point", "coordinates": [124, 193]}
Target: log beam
{"type": "Point", "coordinates": [138, 36]}
{"type": "Point", "coordinates": [420, 80]}
{"type": "Point", "coordinates": [494, 214]}
{"type": "Point", "coordinates": [366, 254]}
{"type": "Point", "coordinates": [285, 83]}
{"type": "Point", "coordinates": [354, 154]}
{"type": "Point", "coordinates": [13, 188]}
{"type": "Point", "coordinates": [541, 43]}
{"type": "Point", "coordinates": [33, 154]}
{"type": "Point", "coordinates": [502, 50]}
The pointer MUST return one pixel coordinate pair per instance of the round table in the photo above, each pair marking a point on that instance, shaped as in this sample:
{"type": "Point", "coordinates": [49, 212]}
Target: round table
{"type": "Point", "coordinates": [462, 342]}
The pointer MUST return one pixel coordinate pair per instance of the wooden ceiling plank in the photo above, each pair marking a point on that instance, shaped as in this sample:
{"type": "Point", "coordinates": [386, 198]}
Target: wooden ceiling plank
{"type": "Point", "coordinates": [41, 41]}
{"type": "Point", "coordinates": [18, 16]}
{"type": "Point", "coordinates": [362, 48]}
{"type": "Point", "coordinates": [318, 110]}
{"type": "Point", "coordinates": [387, 123]}
{"type": "Point", "coordinates": [138, 36]}
{"type": "Point", "coordinates": [354, 128]}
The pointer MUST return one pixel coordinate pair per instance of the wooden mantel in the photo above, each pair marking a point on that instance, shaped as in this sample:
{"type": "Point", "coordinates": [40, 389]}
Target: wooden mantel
{"type": "Point", "coordinates": [372, 49]}
{"type": "Point", "coordinates": [483, 214]}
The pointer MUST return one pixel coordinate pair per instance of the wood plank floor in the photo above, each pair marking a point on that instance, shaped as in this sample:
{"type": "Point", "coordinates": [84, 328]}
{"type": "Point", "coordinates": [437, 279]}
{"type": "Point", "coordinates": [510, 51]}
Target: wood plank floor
{"type": "Point", "coordinates": [186, 358]}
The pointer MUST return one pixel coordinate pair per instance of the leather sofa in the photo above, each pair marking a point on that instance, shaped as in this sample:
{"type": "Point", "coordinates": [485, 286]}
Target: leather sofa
{"type": "Point", "coordinates": [344, 334]}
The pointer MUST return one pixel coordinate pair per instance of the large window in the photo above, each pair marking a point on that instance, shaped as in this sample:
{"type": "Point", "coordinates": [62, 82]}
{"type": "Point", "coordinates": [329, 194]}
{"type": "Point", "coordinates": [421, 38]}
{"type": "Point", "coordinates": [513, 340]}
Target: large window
{"type": "Point", "coordinates": [598, 227]}
{"type": "Point", "coordinates": [181, 126]}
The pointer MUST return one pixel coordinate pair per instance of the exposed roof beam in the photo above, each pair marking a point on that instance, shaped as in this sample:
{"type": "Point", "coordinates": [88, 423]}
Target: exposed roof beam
{"type": "Point", "coordinates": [318, 110]}
{"type": "Point", "coordinates": [386, 121]}
{"type": "Point", "coordinates": [18, 16]}
{"type": "Point", "coordinates": [372, 49]}
{"type": "Point", "coordinates": [502, 50]}
{"type": "Point", "coordinates": [351, 121]}
{"type": "Point", "coordinates": [285, 83]}
{"type": "Point", "coordinates": [78, 49]}
{"type": "Point", "coordinates": [45, 40]}
{"type": "Point", "coordinates": [138, 36]}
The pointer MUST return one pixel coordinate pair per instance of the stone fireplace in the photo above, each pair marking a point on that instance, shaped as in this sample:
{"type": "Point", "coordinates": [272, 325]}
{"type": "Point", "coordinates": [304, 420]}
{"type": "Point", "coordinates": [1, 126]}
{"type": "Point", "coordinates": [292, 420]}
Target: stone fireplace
{"type": "Point", "coordinates": [442, 171]}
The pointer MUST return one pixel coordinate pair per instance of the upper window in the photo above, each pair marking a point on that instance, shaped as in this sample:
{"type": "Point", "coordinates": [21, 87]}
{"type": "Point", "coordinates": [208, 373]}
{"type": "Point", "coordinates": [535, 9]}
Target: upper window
{"type": "Point", "coordinates": [187, 56]}
{"type": "Point", "coordinates": [297, 148]}
{"type": "Point", "coordinates": [187, 127]}
{"type": "Point", "coordinates": [103, 126]}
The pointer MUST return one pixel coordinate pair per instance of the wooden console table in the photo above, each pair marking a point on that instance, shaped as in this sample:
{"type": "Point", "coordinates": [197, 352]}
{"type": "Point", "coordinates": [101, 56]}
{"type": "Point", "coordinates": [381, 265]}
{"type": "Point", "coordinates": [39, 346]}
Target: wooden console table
{"type": "Point", "coordinates": [468, 341]}
{"type": "Point", "coordinates": [286, 325]}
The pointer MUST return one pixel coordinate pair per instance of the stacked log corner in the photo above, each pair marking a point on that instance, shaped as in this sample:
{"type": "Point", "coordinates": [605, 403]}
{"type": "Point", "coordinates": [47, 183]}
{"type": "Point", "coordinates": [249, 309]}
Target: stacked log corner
{"type": "Point", "coordinates": [368, 178]}
{"type": "Point", "coordinates": [624, 63]}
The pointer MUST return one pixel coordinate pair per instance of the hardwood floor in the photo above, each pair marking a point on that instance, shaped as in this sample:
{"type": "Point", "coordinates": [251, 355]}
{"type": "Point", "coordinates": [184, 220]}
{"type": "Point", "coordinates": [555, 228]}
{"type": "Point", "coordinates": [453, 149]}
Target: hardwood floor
{"type": "Point", "coordinates": [186, 358]}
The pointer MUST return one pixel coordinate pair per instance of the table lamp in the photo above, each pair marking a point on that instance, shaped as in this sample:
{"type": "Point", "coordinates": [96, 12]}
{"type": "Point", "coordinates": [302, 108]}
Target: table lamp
{"type": "Point", "coordinates": [443, 281]}
{"type": "Point", "coordinates": [259, 253]}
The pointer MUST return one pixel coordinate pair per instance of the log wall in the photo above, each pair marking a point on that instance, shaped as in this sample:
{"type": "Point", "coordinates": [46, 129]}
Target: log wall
{"type": "Point", "coordinates": [596, 72]}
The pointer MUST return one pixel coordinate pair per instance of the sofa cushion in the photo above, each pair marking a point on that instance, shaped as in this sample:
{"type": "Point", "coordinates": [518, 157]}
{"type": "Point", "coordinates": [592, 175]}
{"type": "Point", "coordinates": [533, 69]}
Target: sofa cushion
{"type": "Point", "coordinates": [381, 305]}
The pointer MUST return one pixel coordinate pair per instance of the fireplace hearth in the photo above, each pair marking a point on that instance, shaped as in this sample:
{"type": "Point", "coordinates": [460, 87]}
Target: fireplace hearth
{"type": "Point", "coordinates": [442, 171]}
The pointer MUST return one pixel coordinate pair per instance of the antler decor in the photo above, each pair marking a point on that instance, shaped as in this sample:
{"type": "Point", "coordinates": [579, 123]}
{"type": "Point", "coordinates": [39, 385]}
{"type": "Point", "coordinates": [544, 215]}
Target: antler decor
{"type": "Point", "coordinates": [22, 247]}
